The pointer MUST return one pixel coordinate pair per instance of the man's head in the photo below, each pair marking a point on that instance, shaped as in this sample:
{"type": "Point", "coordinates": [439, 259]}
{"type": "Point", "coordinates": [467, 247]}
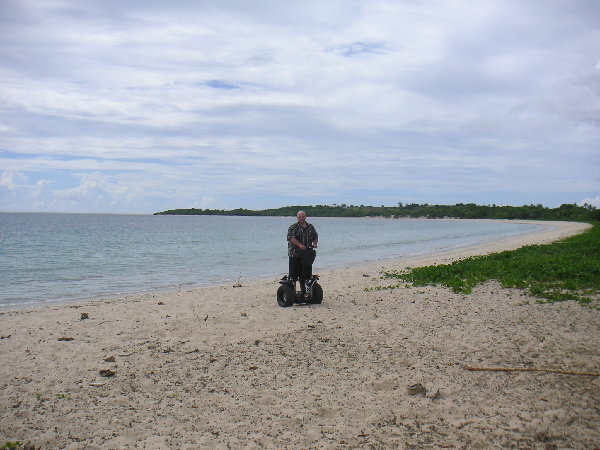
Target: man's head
{"type": "Point", "coordinates": [301, 216]}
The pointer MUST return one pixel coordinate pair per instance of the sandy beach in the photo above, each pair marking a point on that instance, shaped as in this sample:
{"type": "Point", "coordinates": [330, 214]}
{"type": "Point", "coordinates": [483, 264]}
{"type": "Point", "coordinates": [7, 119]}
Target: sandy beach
{"type": "Point", "coordinates": [225, 367]}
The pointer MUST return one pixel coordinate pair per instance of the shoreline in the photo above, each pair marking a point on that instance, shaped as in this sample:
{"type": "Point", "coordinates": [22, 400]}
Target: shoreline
{"type": "Point", "coordinates": [225, 366]}
{"type": "Point", "coordinates": [547, 226]}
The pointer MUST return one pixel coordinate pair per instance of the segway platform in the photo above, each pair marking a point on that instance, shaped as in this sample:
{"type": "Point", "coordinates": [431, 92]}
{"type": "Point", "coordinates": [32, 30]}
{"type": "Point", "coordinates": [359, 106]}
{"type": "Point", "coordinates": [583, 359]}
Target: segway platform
{"type": "Point", "coordinates": [287, 294]}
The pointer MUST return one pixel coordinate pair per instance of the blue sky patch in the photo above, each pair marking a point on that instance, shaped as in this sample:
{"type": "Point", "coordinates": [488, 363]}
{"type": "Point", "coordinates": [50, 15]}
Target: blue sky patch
{"type": "Point", "coordinates": [218, 84]}
{"type": "Point", "coordinates": [358, 48]}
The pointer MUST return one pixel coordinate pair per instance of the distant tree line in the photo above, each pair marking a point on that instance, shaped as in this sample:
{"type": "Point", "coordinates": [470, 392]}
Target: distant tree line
{"type": "Point", "coordinates": [571, 212]}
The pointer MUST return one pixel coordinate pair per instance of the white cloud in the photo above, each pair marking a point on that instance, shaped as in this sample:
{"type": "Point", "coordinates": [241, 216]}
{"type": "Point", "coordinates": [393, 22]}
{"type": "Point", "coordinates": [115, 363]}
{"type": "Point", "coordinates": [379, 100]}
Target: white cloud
{"type": "Point", "coordinates": [12, 180]}
{"type": "Point", "coordinates": [156, 104]}
{"type": "Point", "coordinates": [18, 193]}
{"type": "Point", "coordinates": [594, 201]}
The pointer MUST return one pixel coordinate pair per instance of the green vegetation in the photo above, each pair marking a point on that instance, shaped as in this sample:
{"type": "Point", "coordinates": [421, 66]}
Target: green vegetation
{"type": "Point", "coordinates": [11, 445]}
{"type": "Point", "coordinates": [460, 210]}
{"type": "Point", "coordinates": [564, 270]}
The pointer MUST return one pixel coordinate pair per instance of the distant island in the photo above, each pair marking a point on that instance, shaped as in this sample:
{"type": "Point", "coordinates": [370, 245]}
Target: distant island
{"type": "Point", "coordinates": [570, 212]}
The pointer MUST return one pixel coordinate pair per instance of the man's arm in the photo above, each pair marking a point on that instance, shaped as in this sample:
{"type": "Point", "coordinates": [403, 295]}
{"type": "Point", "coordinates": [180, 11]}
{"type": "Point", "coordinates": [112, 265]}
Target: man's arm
{"type": "Point", "coordinates": [297, 243]}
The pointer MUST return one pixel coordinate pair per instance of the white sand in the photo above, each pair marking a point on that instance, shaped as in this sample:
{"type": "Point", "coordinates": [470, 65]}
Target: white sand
{"type": "Point", "coordinates": [226, 367]}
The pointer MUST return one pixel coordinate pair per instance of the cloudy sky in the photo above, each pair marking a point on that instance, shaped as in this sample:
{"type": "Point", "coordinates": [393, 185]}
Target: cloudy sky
{"type": "Point", "coordinates": [145, 105]}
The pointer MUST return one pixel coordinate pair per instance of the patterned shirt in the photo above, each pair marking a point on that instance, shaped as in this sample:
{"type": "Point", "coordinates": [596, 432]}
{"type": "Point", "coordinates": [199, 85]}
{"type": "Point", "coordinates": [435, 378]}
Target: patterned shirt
{"type": "Point", "coordinates": [306, 236]}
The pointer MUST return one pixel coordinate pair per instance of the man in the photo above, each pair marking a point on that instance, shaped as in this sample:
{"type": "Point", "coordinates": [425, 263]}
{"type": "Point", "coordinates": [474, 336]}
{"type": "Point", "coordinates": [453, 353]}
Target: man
{"type": "Point", "coordinates": [302, 237]}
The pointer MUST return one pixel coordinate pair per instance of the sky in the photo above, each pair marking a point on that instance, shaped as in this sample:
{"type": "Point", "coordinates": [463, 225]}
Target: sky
{"type": "Point", "coordinates": [140, 106]}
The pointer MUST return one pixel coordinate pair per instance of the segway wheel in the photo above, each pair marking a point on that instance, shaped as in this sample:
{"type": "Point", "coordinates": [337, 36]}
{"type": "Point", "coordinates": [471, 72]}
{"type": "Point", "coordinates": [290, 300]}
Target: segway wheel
{"type": "Point", "coordinates": [285, 295]}
{"type": "Point", "coordinates": [317, 294]}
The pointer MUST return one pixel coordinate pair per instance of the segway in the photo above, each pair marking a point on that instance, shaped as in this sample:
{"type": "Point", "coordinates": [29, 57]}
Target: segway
{"type": "Point", "coordinates": [287, 294]}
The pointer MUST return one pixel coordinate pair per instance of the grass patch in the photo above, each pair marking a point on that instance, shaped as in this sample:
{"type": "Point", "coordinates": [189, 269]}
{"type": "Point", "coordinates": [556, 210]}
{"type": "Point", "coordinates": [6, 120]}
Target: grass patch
{"type": "Point", "coordinates": [11, 445]}
{"type": "Point", "coordinates": [564, 270]}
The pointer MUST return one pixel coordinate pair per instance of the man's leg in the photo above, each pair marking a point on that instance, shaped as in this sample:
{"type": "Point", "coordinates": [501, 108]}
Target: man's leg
{"type": "Point", "coordinates": [295, 269]}
{"type": "Point", "coordinates": [306, 276]}
{"type": "Point", "coordinates": [307, 271]}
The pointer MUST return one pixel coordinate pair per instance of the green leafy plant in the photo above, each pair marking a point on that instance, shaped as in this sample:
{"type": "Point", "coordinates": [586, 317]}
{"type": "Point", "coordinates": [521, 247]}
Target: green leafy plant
{"type": "Point", "coordinates": [11, 445]}
{"type": "Point", "coordinates": [565, 270]}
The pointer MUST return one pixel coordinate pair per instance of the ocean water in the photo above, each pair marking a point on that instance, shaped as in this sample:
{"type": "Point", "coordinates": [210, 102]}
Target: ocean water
{"type": "Point", "coordinates": [71, 257]}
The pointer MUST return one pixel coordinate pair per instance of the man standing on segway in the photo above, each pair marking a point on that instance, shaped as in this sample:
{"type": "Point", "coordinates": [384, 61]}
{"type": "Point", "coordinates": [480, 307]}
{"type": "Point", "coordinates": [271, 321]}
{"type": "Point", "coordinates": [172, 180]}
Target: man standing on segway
{"type": "Point", "coordinates": [302, 239]}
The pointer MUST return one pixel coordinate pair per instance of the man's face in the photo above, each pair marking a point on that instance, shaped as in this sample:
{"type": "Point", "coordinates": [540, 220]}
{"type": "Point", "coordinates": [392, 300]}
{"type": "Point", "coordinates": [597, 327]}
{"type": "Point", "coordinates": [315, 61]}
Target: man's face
{"type": "Point", "coordinates": [301, 218]}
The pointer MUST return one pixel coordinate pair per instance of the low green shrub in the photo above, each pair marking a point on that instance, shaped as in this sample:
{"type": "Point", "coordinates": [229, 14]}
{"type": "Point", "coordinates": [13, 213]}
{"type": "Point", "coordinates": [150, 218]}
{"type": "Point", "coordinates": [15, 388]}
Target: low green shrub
{"type": "Point", "coordinates": [564, 270]}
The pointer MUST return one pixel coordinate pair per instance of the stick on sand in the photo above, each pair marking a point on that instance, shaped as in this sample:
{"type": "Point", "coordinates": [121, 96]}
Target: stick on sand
{"type": "Point", "coordinates": [515, 369]}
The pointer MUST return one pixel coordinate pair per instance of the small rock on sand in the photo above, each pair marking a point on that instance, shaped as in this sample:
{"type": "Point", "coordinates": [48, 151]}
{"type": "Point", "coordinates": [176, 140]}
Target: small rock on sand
{"type": "Point", "coordinates": [416, 389]}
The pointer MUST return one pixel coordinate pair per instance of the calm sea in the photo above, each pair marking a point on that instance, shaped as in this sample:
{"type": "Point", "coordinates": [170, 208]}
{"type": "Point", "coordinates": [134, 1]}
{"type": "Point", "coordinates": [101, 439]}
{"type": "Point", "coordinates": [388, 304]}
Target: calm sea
{"type": "Point", "coordinates": [67, 257]}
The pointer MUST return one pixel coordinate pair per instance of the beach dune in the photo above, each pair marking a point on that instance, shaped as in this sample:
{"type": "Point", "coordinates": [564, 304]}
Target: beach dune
{"type": "Point", "coordinates": [224, 366]}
